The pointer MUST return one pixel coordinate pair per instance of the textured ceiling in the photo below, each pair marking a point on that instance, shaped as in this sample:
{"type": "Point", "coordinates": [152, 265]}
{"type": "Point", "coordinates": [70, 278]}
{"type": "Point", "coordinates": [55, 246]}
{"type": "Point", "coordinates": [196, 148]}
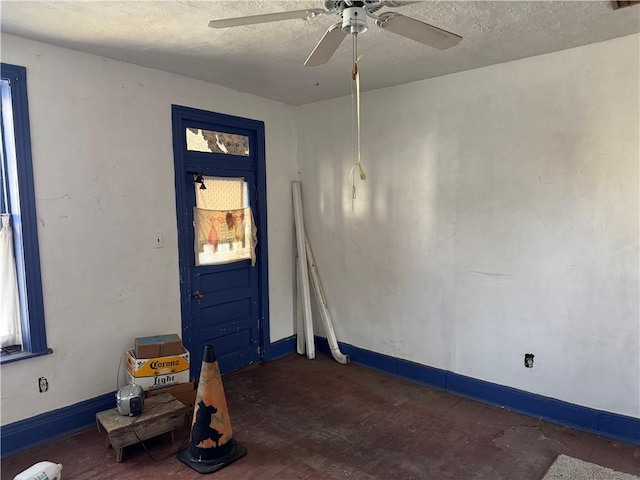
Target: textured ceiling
{"type": "Point", "coordinates": [267, 59]}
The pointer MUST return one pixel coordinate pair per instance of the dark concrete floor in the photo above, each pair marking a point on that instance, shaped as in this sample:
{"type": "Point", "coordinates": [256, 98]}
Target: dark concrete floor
{"type": "Point", "coordinates": [305, 420]}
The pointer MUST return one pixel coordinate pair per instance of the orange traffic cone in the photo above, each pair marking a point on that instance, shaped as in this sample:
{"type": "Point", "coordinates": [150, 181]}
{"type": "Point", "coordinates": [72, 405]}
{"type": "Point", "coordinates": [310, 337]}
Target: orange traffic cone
{"type": "Point", "coordinates": [211, 445]}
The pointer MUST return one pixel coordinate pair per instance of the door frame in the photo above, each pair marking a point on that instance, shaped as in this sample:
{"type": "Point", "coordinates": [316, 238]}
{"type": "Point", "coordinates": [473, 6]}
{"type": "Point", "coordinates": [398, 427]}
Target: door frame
{"type": "Point", "coordinates": [181, 117]}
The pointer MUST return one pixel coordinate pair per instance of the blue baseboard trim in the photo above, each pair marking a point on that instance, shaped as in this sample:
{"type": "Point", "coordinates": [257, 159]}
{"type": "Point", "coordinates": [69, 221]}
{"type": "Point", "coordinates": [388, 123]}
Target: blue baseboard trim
{"type": "Point", "coordinates": [598, 422]}
{"type": "Point", "coordinates": [282, 348]}
{"type": "Point", "coordinates": [33, 431]}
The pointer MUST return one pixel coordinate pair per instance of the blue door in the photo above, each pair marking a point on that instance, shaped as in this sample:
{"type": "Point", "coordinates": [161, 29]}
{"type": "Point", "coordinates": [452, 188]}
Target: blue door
{"type": "Point", "coordinates": [221, 208]}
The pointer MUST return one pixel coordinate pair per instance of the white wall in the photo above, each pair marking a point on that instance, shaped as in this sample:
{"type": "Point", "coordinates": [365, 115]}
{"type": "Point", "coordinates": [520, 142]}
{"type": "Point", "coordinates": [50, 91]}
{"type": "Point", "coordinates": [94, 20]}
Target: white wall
{"type": "Point", "coordinates": [499, 217]}
{"type": "Point", "coordinates": [104, 184]}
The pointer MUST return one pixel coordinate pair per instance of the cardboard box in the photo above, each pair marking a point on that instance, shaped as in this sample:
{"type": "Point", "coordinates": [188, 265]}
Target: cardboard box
{"type": "Point", "coordinates": [158, 346]}
{"type": "Point", "coordinates": [185, 392]}
{"type": "Point", "coordinates": [158, 372]}
{"type": "Point", "coordinates": [146, 350]}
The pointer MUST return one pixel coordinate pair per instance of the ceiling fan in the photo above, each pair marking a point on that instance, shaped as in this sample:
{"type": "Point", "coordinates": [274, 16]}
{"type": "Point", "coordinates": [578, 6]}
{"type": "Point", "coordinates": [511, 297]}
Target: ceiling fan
{"type": "Point", "coordinates": [353, 21]}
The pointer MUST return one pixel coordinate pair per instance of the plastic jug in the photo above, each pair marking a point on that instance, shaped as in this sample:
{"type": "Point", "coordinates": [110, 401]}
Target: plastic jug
{"type": "Point", "coordinates": [41, 471]}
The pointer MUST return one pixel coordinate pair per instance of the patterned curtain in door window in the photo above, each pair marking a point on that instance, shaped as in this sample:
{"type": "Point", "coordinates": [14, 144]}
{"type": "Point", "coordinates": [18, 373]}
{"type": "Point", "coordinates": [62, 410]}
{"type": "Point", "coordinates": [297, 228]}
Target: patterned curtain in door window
{"type": "Point", "coordinates": [224, 236]}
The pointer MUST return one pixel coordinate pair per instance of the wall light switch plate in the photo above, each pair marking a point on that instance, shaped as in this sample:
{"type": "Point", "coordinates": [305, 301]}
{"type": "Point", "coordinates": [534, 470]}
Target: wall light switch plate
{"type": "Point", "coordinates": [158, 242]}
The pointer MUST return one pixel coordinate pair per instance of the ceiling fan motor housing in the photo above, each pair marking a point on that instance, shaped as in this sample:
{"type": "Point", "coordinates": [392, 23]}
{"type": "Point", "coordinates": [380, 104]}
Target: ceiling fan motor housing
{"type": "Point", "coordinates": [354, 20]}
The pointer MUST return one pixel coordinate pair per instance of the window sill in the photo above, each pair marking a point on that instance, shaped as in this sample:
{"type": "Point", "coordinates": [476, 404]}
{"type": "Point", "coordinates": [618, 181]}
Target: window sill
{"type": "Point", "coordinates": [15, 357]}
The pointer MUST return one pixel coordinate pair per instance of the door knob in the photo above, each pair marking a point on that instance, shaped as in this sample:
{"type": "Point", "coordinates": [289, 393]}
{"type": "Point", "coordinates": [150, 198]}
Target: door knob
{"type": "Point", "coordinates": [197, 294]}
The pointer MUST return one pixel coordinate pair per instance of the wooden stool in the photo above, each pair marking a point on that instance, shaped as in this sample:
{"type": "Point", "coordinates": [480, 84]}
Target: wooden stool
{"type": "Point", "coordinates": [161, 414]}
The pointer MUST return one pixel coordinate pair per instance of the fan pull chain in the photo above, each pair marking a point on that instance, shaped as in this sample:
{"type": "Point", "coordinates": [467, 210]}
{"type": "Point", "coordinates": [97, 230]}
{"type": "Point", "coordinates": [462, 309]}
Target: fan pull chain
{"type": "Point", "coordinates": [353, 123]}
{"type": "Point", "coordinates": [355, 75]}
{"type": "Point", "coordinates": [358, 164]}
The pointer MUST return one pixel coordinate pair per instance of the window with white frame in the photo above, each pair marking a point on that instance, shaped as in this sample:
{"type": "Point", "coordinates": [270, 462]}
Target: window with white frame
{"type": "Point", "coordinates": [22, 329]}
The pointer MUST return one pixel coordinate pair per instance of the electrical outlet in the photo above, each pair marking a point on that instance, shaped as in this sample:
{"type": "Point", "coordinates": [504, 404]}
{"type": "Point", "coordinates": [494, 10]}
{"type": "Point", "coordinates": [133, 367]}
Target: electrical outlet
{"type": "Point", "coordinates": [43, 384]}
{"type": "Point", "coordinates": [158, 241]}
{"type": "Point", "coordinates": [528, 360]}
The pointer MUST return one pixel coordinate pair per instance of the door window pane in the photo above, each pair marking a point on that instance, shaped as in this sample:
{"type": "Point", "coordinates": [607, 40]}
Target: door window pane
{"type": "Point", "coordinates": [217, 142]}
{"type": "Point", "coordinates": [222, 193]}
{"type": "Point", "coordinates": [223, 222]}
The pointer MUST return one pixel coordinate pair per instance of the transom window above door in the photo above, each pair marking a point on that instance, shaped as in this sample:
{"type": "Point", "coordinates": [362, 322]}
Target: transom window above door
{"type": "Point", "coordinates": [209, 141]}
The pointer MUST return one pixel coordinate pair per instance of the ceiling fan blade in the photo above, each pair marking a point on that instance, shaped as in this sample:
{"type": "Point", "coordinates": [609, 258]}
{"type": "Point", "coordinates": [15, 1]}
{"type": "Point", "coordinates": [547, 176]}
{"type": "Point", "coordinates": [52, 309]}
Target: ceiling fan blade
{"type": "Point", "coordinates": [396, 3]}
{"type": "Point", "coordinates": [417, 30]}
{"type": "Point", "coordinates": [326, 47]}
{"type": "Point", "coordinates": [267, 17]}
